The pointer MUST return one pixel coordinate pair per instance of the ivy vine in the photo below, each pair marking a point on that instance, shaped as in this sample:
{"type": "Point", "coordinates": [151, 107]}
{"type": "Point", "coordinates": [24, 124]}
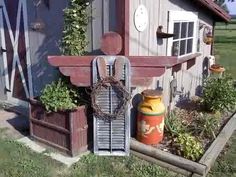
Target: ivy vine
{"type": "Point", "coordinates": [76, 17]}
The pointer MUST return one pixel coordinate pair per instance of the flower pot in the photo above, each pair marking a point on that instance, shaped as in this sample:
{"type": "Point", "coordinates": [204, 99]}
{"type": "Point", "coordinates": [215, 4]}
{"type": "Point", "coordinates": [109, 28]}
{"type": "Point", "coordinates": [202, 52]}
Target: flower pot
{"type": "Point", "coordinates": [64, 130]}
{"type": "Point", "coordinates": [218, 69]}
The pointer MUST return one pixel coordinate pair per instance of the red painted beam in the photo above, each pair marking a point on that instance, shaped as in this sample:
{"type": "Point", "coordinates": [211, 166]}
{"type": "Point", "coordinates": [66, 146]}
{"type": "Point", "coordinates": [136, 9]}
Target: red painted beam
{"type": "Point", "coordinates": [135, 61]}
{"type": "Point", "coordinates": [143, 68]}
{"type": "Point", "coordinates": [70, 60]}
{"type": "Point", "coordinates": [140, 76]}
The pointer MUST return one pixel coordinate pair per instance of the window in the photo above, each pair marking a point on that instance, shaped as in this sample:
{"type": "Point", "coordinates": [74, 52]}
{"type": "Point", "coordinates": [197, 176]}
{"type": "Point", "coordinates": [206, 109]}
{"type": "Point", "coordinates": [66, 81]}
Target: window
{"type": "Point", "coordinates": [184, 27]}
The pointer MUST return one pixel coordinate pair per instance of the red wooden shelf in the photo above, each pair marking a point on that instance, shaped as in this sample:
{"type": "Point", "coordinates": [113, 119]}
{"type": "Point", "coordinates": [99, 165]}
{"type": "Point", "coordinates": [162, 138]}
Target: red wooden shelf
{"type": "Point", "coordinates": [143, 68]}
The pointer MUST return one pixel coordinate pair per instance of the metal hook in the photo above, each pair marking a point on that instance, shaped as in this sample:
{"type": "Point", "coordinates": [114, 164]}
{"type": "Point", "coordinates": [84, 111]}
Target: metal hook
{"type": "Point", "coordinates": [36, 4]}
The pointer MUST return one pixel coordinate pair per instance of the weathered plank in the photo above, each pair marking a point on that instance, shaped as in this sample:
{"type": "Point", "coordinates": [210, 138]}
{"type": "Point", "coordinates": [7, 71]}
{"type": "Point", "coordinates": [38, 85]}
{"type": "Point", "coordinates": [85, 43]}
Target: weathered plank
{"type": "Point", "coordinates": [161, 163]}
{"type": "Point", "coordinates": [154, 23]}
{"type": "Point", "coordinates": [134, 34]}
{"type": "Point", "coordinates": [143, 43]}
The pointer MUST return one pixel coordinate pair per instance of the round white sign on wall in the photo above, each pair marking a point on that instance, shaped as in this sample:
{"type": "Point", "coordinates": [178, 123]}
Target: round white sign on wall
{"type": "Point", "coordinates": [141, 18]}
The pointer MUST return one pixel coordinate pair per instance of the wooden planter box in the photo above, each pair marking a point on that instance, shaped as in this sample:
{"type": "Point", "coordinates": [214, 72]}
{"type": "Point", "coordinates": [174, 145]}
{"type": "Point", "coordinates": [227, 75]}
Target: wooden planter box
{"type": "Point", "coordinates": [65, 131]}
{"type": "Point", "coordinates": [180, 164]}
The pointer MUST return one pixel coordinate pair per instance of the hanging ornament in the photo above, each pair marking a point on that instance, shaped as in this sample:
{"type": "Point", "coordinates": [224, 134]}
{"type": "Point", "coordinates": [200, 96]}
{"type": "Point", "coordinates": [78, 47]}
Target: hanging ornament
{"type": "Point", "coordinates": [38, 24]}
{"type": "Point", "coordinates": [207, 35]}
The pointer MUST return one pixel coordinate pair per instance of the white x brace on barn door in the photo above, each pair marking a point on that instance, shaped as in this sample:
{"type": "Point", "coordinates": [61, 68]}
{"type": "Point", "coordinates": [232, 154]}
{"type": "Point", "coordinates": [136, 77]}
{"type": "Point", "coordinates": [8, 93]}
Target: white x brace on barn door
{"type": "Point", "coordinates": [15, 51]}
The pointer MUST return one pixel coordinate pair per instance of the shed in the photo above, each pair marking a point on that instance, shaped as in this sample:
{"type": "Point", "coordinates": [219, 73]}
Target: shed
{"type": "Point", "coordinates": [156, 60]}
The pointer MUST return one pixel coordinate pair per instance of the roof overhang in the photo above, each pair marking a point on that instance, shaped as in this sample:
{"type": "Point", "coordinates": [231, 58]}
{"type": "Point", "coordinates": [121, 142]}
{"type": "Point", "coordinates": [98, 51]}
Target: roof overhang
{"type": "Point", "coordinates": [219, 14]}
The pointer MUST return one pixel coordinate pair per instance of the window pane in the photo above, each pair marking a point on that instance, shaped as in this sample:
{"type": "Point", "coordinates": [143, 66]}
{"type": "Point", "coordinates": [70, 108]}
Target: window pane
{"type": "Point", "coordinates": [184, 30]}
{"type": "Point", "coordinates": [182, 47]}
{"type": "Point", "coordinates": [176, 30]}
{"type": "Point", "coordinates": [175, 48]}
{"type": "Point", "coordinates": [190, 29]}
{"type": "Point", "coordinates": [190, 46]}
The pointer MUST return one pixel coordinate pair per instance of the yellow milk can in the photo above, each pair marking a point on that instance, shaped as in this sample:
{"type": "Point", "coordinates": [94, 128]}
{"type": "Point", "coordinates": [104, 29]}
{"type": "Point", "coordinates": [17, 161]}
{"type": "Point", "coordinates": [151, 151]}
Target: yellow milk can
{"type": "Point", "coordinates": [151, 118]}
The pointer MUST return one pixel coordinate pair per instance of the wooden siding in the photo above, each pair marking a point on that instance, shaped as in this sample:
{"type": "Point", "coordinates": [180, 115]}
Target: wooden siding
{"type": "Point", "coordinates": [103, 20]}
{"type": "Point", "coordinates": [145, 43]}
{"type": "Point", "coordinates": [45, 43]}
{"type": "Point", "coordinates": [189, 75]}
{"type": "Point", "coordinates": [2, 81]}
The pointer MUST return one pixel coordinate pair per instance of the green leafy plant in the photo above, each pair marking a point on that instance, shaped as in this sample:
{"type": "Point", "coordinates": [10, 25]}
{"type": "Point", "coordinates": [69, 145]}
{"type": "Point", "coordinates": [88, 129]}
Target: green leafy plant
{"type": "Point", "coordinates": [174, 124]}
{"type": "Point", "coordinates": [219, 94]}
{"type": "Point", "coordinates": [76, 16]}
{"type": "Point", "coordinates": [59, 96]}
{"type": "Point", "coordinates": [188, 146]}
{"type": "Point", "coordinates": [206, 125]}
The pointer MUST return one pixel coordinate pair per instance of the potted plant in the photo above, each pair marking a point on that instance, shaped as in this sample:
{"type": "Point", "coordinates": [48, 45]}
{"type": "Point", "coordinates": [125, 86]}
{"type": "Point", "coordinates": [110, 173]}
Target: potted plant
{"type": "Point", "coordinates": [57, 119]}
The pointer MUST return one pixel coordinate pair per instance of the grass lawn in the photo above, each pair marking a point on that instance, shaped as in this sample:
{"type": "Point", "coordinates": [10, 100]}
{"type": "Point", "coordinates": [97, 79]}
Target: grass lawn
{"type": "Point", "coordinates": [226, 163]}
{"type": "Point", "coordinates": [17, 160]}
{"type": "Point", "coordinates": [225, 47]}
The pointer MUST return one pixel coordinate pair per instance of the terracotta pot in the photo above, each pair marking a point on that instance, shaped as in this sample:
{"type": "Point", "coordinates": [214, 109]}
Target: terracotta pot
{"type": "Point", "coordinates": [217, 68]}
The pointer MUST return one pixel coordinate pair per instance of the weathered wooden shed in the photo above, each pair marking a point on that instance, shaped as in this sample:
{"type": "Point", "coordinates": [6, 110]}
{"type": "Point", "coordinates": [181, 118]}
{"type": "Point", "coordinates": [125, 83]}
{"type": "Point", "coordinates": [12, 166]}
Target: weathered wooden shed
{"type": "Point", "coordinates": [23, 58]}
{"type": "Point", "coordinates": [156, 58]}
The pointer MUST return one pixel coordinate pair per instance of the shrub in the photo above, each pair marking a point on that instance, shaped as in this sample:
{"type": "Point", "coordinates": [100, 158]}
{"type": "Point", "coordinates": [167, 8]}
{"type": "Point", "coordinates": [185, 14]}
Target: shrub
{"type": "Point", "coordinates": [59, 96]}
{"type": "Point", "coordinates": [188, 146]}
{"type": "Point", "coordinates": [219, 94]}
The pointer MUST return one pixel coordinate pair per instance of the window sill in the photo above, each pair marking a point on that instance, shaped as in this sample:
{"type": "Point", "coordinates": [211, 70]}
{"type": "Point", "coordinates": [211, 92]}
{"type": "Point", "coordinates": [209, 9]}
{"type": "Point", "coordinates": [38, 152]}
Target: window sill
{"type": "Point", "coordinates": [189, 57]}
{"type": "Point", "coordinates": [185, 58]}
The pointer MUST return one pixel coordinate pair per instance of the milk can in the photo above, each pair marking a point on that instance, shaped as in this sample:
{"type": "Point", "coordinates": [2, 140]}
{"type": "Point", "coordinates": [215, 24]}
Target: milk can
{"type": "Point", "coordinates": [151, 118]}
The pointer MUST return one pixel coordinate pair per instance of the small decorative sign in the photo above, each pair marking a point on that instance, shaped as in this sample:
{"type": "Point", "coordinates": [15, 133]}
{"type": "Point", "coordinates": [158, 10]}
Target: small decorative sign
{"type": "Point", "coordinates": [141, 18]}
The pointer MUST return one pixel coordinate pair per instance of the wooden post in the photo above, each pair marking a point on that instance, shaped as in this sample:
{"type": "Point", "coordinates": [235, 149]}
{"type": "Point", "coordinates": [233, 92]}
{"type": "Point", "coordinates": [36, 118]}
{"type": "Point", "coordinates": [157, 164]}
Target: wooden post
{"type": "Point", "coordinates": [162, 164]}
{"type": "Point", "coordinates": [166, 157]}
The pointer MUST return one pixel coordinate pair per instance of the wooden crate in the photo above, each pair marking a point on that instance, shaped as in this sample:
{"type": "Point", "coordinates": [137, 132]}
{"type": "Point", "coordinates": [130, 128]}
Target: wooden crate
{"type": "Point", "coordinates": [65, 131]}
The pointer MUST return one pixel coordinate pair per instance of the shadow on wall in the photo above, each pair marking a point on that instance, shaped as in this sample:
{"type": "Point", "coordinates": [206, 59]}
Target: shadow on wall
{"type": "Point", "coordinates": [205, 69]}
{"type": "Point", "coordinates": [134, 112]}
{"type": "Point", "coordinates": [185, 98]}
{"type": "Point", "coordinates": [46, 42]}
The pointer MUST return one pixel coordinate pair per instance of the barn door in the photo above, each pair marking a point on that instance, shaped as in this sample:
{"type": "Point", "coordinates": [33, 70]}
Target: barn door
{"type": "Point", "coordinates": [15, 50]}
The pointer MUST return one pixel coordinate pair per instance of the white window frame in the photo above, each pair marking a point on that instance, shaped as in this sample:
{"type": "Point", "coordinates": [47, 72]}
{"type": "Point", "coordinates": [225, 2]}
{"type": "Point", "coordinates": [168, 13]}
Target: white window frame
{"type": "Point", "coordinates": [182, 16]}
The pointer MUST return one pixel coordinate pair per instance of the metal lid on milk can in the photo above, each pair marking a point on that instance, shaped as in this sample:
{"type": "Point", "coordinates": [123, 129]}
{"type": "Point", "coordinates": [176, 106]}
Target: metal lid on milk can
{"type": "Point", "coordinates": [152, 103]}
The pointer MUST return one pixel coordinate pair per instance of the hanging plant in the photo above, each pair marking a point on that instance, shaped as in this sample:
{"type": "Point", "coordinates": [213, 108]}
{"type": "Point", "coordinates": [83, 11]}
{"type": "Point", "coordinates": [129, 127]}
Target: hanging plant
{"type": "Point", "coordinates": [76, 16]}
